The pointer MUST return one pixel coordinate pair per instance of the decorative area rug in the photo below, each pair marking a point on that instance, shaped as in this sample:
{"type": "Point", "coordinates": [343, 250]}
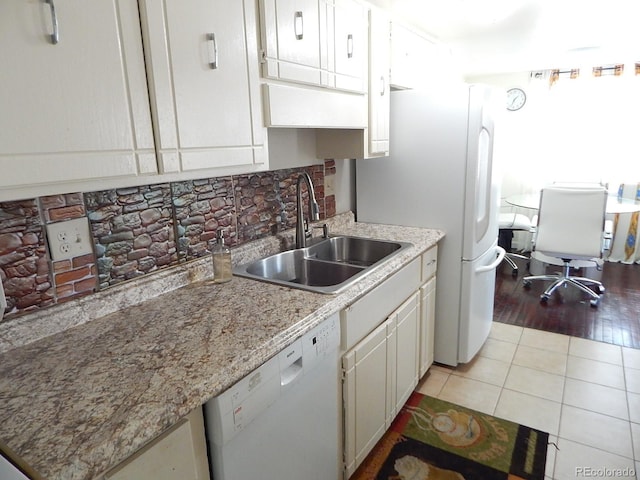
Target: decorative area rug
{"type": "Point", "coordinates": [433, 439]}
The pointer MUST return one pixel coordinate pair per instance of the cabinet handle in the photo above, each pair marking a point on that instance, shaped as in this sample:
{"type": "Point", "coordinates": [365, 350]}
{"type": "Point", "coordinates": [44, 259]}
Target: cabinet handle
{"type": "Point", "coordinates": [349, 46]}
{"type": "Point", "coordinates": [213, 52]}
{"type": "Point", "coordinates": [55, 36]}
{"type": "Point", "coordinates": [298, 25]}
{"type": "Point", "coordinates": [383, 86]}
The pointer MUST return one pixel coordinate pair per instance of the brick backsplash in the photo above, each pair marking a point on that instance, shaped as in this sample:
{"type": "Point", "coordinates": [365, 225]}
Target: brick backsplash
{"type": "Point", "coordinates": [24, 269]}
{"type": "Point", "coordinates": [133, 231]}
{"type": "Point", "coordinates": [139, 230]}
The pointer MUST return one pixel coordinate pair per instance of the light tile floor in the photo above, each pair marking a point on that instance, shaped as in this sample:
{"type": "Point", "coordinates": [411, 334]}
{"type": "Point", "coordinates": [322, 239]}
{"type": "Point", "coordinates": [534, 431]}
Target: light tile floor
{"type": "Point", "coordinates": [585, 394]}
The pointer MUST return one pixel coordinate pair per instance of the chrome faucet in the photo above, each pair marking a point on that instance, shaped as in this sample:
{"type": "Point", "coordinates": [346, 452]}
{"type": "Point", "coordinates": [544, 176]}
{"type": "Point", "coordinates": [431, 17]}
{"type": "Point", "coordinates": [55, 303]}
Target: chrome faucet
{"type": "Point", "coordinates": [302, 228]}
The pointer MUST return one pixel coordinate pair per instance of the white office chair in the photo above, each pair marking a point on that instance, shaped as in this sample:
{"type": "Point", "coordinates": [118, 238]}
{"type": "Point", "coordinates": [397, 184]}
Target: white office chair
{"type": "Point", "coordinates": [508, 223]}
{"type": "Point", "coordinates": [570, 227]}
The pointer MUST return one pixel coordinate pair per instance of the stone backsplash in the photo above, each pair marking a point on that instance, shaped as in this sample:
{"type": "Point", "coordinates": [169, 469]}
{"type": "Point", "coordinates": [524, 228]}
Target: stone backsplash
{"type": "Point", "coordinates": [140, 230]}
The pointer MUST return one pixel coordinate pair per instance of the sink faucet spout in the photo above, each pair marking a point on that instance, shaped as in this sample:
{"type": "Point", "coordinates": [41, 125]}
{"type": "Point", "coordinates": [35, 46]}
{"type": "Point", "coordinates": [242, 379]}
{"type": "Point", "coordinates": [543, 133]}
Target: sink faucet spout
{"type": "Point", "coordinates": [302, 230]}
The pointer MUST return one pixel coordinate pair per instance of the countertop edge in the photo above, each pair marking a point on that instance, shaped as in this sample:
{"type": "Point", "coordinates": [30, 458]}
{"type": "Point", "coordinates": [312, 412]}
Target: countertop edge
{"type": "Point", "coordinates": [148, 421]}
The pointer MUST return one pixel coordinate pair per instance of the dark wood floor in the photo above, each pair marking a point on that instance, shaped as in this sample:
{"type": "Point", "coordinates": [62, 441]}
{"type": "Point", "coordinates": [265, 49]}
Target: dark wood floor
{"type": "Point", "coordinates": [616, 320]}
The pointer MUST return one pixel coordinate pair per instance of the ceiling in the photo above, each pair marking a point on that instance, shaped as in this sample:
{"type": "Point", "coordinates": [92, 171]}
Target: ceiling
{"type": "Point", "coordinates": [491, 36]}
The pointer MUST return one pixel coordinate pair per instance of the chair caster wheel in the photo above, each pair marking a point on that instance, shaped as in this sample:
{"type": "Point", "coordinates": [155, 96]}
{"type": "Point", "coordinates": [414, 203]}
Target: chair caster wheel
{"type": "Point", "coordinates": [526, 283]}
{"type": "Point", "coordinates": [544, 298]}
{"type": "Point", "coordinates": [514, 272]}
{"type": "Point", "coordinates": [601, 289]}
{"type": "Point", "coordinates": [594, 302]}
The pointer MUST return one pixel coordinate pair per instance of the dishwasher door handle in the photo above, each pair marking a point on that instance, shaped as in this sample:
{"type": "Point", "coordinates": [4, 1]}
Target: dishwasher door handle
{"type": "Point", "coordinates": [291, 373]}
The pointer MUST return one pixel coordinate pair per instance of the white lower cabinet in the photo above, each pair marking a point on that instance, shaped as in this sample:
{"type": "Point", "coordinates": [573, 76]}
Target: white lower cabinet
{"type": "Point", "coordinates": [427, 324]}
{"type": "Point", "coordinates": [427, 308]}
{"type": "Point", "coordinates": [365, 396]}
{"type": "Point", "coordinates": [387, 337]}
{"type": "Point", "coordinates": [407, 351]}
{"type": "Point", "coordinates": [180, 452]}
{"type": "Point", "coordinates": [379, 375]}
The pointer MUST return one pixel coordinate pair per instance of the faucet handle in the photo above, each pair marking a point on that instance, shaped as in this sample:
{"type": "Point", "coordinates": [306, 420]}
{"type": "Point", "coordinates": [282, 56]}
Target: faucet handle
{"type": "Point", "coordinates": [307, 231]}
{"type": "Point", "coordinates": [325, 230]}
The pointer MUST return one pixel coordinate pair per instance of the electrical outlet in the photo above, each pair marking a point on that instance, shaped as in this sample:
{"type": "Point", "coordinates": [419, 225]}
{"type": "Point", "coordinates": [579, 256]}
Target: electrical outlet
{"type": "Point", "coordinates": [69, 239]}
{"type": "Point", "coordinates": [329, 188]}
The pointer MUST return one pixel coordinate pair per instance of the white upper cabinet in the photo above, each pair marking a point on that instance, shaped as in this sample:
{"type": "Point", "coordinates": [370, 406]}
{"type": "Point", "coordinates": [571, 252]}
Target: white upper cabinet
{"type": "Point", "coordinates": [75, 107]}
{"type": "Point", "coordinates": [350, 45]}
{"type": "Point", "coordinates": [379, 89]}
{"type": "Point", "coordinates": [314, 63]}
{"type": "Point", "coordinates": [293, 46]}
{"type": "Point", "coordinates": [410, 57]}
{"type": "Point", "coordinates": [202, 60]}
{"type": "Point", "coordinates": [372, 141]}
{"type": "Point", "coordinates": [81, 110]}
{"type": "Point", "coordinates": [316, 42]}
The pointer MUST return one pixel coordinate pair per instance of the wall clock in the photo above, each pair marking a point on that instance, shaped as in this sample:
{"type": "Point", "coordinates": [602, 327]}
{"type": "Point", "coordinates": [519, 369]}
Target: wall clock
{"type": "Point", "coordinates": [515, 99]}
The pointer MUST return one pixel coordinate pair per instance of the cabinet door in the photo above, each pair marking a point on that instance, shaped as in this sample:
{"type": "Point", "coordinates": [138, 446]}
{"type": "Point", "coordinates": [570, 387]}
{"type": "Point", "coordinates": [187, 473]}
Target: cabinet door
{"type": "Point", "coordinates": [374, 140]}
{"type": "Point", "coordinates": [350, 44]}
{"type": "Point", "coordinates": [202, 59]}
{"type": "Point", "coordinates": [411, 55]}
{"type": "Point", "coordinates": [427, 324]}
{"type": "Point", "coordinates": [365, 396]}
{"type": "Point", "coordinates": [379, 93]}
{"type": "Point", "coordinates": [77, 109]}
{"type": "Point", "coordinates": [407, 353]}
{"type": "Point", "coordinates": [180, 453]}
{"type": "Point", "coordinates": [291, 39]}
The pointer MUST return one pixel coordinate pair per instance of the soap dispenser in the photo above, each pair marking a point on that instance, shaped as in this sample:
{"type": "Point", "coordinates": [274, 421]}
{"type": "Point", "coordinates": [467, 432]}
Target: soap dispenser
{"type": "Point", "coordinates": [221, 260]}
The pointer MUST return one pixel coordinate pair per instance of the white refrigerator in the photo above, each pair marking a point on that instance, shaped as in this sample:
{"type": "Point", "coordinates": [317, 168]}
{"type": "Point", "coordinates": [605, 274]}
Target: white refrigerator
{"type": "Point", "coordinates": [440, 174]}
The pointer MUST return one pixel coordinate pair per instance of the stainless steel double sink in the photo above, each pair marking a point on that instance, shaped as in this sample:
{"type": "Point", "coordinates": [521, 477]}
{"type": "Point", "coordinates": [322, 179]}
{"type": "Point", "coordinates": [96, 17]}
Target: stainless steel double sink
{"type": "Point", "coordinates": [329, 266]}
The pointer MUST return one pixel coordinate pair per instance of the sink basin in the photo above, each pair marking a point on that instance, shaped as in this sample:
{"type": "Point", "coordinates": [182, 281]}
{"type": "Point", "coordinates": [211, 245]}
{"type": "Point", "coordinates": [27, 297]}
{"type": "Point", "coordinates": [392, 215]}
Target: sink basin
{"type": "Point", "coordinates": [328, 266]}
{"type": "Point", "coordinates": [353, 250]}
{"type": "Point", "coordinates": [294, 267]}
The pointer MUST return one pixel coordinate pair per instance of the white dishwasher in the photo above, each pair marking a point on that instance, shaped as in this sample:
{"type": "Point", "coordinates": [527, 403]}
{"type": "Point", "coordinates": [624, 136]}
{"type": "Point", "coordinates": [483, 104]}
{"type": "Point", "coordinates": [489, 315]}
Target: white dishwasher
{"type": "Point", "coordinates": [282, 422]}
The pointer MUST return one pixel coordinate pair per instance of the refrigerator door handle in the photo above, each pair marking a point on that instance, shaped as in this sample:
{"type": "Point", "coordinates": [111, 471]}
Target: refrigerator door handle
{"type": "Point", "coordinates": [492, 266]}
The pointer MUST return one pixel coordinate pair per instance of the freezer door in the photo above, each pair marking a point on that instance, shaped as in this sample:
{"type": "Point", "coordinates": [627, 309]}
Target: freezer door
{"type": "Point", "coordinates": [482, 193]}
{"type": "Point", "coordinates": [476, 302]}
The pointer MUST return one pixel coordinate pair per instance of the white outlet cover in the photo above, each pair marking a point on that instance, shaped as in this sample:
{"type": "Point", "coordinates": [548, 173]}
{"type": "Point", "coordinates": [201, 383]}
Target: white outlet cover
{"type": "Point", "coordinates": [69, 239]}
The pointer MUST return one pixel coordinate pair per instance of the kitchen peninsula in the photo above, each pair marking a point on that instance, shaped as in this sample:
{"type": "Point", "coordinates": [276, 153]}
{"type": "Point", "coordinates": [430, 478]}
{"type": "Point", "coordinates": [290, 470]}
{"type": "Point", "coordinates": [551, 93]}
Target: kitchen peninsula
{"type": "Point", "coordinates": [78, 402]}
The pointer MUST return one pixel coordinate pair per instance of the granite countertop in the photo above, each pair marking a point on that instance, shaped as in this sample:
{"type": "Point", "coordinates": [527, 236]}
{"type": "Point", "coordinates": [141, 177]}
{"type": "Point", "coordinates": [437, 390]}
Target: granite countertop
{"type": "Point", "coordinates": [75, 403]}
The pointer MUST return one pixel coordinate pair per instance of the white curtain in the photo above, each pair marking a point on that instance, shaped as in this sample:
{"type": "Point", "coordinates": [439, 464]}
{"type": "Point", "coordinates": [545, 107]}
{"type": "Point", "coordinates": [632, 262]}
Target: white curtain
{"type": "Point", "coordinates": [591, 128]}
{"type": "Point", "coordinates": [624, 245]}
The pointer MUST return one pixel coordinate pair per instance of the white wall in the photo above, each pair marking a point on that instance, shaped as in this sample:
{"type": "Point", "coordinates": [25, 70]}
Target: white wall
{"type": "Point", "coordinates": [289, 147]}
{"type": "Point", "coordinates": [578, 130]}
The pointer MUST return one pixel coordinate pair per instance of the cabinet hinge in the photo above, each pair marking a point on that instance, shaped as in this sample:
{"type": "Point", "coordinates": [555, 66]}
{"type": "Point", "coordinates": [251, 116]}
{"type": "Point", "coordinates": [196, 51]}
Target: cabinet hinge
{"type": "Point", "coordinates": [263, 56]}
